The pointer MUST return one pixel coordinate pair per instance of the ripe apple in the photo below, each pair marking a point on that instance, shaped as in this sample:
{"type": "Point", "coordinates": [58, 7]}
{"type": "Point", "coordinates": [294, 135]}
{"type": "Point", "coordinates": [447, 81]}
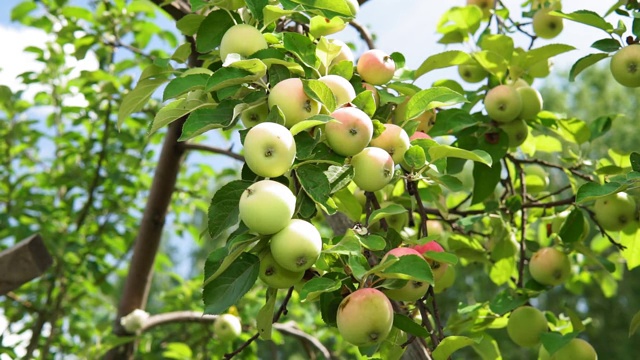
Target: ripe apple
{"type": "Point", "coordinates": [351, 133]}
{"type": "Point", "coordinates": [531, 102]}
{"type": "Point", "coordinates": [525, 326]}
{"type": "Point", "coordinates": [266, 207]}
{"type": "Point", "coordinates": [242, 39]}
{"type": "Point", "coordinates": [517, 132]}
{"type": "Point", "coordinates": [373, 168]}
{"type": "Point", "coordinates": [615, 211]}
{"type": "Point", "coordinates": [275, 276]}
{"type": "Point", "coordinates": [254, 115]}
{"type": "Point", "coordinates": [394, 140]}
{"type": "Point", "coordinates": [227, 327]}
{"type": "Point", "coordinates": [545, 25]}
{"type": "Point", "coordinates": [625, 66]}
{"type": "Point", "coordinates": [576, 349]}
{"type": "Point", "coordinates": [412, 290]}
{"type": "Point", "coordinates": [472, 73]}
{"type": "Point", "coordinates": [485, 5]}
{"type": "Point", "coordinates": [269, 149]}
{"type": "Point", "coordinates": [503, 103]}
{"type": "Point", "coordinates": [297, 246]}
{"type": "Point", "coordinates": [550, 266]}
{"type": "Point", "coordinates": [438, 268]}
{"type": "Point", "coordinates": [376, 96]}
{"type": "Point", "coordinates": [289, 95]}
{"type": "Point", "coordinates": [447, 280]}
{"type": "Point", "coordinates": [419, 135]}
{"type": "Point", "coordinates": [365, 317]}
{"type": "Point", "coordinates": [376, 67]}
{"type": "Point", "coordinates": [340, 87]}
{"type": "Point", "coordinates": [427, 119]}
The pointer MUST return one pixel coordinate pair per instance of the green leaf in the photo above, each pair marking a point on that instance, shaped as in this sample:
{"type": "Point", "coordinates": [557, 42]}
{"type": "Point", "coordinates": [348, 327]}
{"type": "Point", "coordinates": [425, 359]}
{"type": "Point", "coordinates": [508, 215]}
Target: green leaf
{"type": "Point", "coordinates": [607, 45]}
{"type": "Point", "coordinates": [452, 121]}
{"type": "Point", "coordinates": [545, 52]}
{"type": "Point", "coordinates": [506, 301]}
{"type": "Point", "coordinates": [415, 157]}
{"type": "Point", "coordinates": [635, 161]}
{"type": "Point", "coordinates": [634, 324]}
{"type": "Point", "coordinates": [586, 17]}
{"type": "Point", "coordinates": [631, 239]}
{"type": "Point", "coordinates": [301, 46]}
{"type": "Point", "coordinates": [321, 26]}
{"type": "Point", "coordinates": [554, 341]}
{"type": "Point", "coordinates": [591, 191]}
{"type": "Point", "coordinates": [431, 98]}
{"type": "Point", "coordinates": [319, 91]}
{"type": "Point", "coordinates": [576, 322]}
{"type": "Point", "coordinates": [348, 245]}
{"type": "Point", "coordinates": [406, 324]}
{"type": "Point", "coordinates": [584, 63]}
{"type": "Point", "coordinates": [257, 7]}
{"type": "Point", "coordinates": [339, 177]}
{"type": "Point", "coordinates": [365, 102]}
{"type": "Point", "coordinates": [347, 203]}
{"type": "Point", "coordinates": [601, 126]}
{"type": "Point", "coordinates": [230, 286]}
{"type": "Point", "coordinates": [487, 348]}
{"type": "Point", "coordinates": [573, 227]}
{"type": "Point", "coordinates": [175, 110]}
{"type": "Point", "coordinates": [331, 7]}
{"type": "Point", "coordinates": [272, 13]}
{"type": "Point", "coordinates": [22, 10]}
{"type": "Point", "coordinates": [309, 123]}
{"type": "Point", "coordinates": [409, 267]}
{"type": "Point", "coordinates": [443, 151]}
{"type": "Point", "coordinates": [223, 211]}
{"type": "Point", "coordinates": [315, 183]}
{"type": "Point", "coordinates": [485, 180]}
{"type": "Point", "coordinates": [264, 319]}
{"type": "Point", "coordinates": [318, 285]}
{"type": "Point", "coordinates": [211, 30]}
{"type": "Point", "coordinates": [393, 209]}
{"type": "Point", "coordinates": [373, 242]}
{"type": "Point", "coordinates": [138, 97]}
{"type": "Point", "coordinates": [441, 60]}
{"type": "Point", "coordinates": [189, 24]}
{"type": "Point", "coordinates": [492, 62]}
{"type": "Point", "coordinates": [499, 44]}
{"type": "Point", "coordinates": [206, 118]}
{"type": "Point", "coordinates": [176, 350]}
{"type": "Point", "coordinates": [181, 85]}
{"type": "Point", "coordinates": [451, 344]}
{"type": "Point", "coordinates": [442, 257]}
{"type": "Point", "coordinates": [228, 76]}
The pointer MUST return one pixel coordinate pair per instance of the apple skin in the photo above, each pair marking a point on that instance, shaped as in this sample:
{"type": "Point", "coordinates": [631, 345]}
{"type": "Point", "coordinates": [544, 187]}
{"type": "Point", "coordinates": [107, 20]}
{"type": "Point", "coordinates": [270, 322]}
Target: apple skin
{"type": "Point", "coordinates": [550, 266]}
{"type": "Point", "coordinates": [297, 246]}
{"type": "Point", "coordinates": [227, 327]}
{"type": "Point", "coordinates": [427, 119]}
{"type": "Point", "coordinates": [266, 207]}
{"type": "Point", "coordinates": [254, 115]}
{"type": "Point", "coordinates": [340, 87]}
{"type": "Point", "coordinates": [472, 73]}
{"type": "Point", "coordinates": [447, 280]}
{"type": "Point", "coordinates": [517, 132]}
{"type": "Point", "coordinates": [615, 211]}
{"type": "Point", "coordinates": [541, 181]}
{"type": "Point", "coordinates": [376, 67]}
{"type": "Point", "coordinates": [373, 168]}
{"type": "Point", "coordinates": [275, 276]}
{"type": "Point", "coordinates": [546, 26]}
{"type": "Point", "coordinates": [394, 140]}
{"type": "Point", "coordinates": [438, 268]}
{"type": "Point", "coordinates": [365, 317]}
{"type": "Point", "coordinates": [289, 95]}
{"type": "Point", "coordinates": [242, 39]}
{"type": "Point", "coordinates": [625, 66]}
{"type": "Point", "coordinates": [576, 349]}
{"type": "Point", "coordinates": [269, 149]}
{"type": "Point", "coordinates": [351, 133]}
{"type": "Point", "coordinates": [412, 290]}
{"type": "Point", "coordinates": [485, 5]}
{"type": "Point", "coordinates": [531, 102]}
{"type": "Point", "coordinates": [503, 103]}
{"type": "Point", "coordinates": [525, 326]}
{"type": "Point", "coordinates": [419, 135]}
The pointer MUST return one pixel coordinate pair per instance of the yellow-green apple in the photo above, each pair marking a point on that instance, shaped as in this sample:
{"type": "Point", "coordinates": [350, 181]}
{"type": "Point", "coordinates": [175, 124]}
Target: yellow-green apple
{"type": "Point", "coordinates": [434, 227]}
{"type": "Point", "coordinates": [536, 178]}
{"type": "Point", "coordinates": [374, 91]}
{"type": "Point", "coordinates": [296, 106]}
{"type": "Point", "coordinates": [427, 119]}
{"type": "Point", "coordinates": [241, 39]}
{"type": "Point", "coordinates": [376, 67]}
{"type": "Point", "coordinates": [625, 66]}
{"type": "Point", "coordinates": [550, 266]}
{"type": "Point", "coordinates": [345, 54]}
{"type": "Point", "coordinates": [254, 115]}
{"type": "Point", "coordinates": [472, 72]}
{"type": "Point", "coordinates": [269, 149]}
{"type": "Point", "coordinates": [365, 317]}
{"type": "Point", "coordinates": [373, 168]}
{"type": "Point", "coordinates": [545, 25]}
{"type": "Point", "coordinates": [519, 83]}
{"type": "Point", "coordinates": [354, 6]}
{"type": "Point", "coordinates": [576, 349]}
{"type": "Point", "coordinates": [227, 327]}
{"type": "Point", "coordinates": [446, 281]}
{"type": "Point", "coordinates": [394, 140]}
{"type": "Point", "coordinates": [412, 290]}
{"type": "Point", "coordinates": [297, 246]}
{"type": "Point", "coordinates": [613, 212]}
{"type": "Point", "coordinates": [485, 5]}
{"type": "Point", "coordinates": [274, 275]}
{"type": "Point", "coordinates": [531, 102]}
{"type": "Point", "coordinates": [350, 133]}
{"type": "Point", "coordinates": [340, 87]}
{"type": "Point", "coordinates": [517, 132]}
{"type": "Point", "coordinates": [438, 268]}
{"type": "Point", "coordinates": [525, 326]}
{"type": "Point", "coordinates": [266, 207]}
{"type": "Point", "coordinates": [503, 103]}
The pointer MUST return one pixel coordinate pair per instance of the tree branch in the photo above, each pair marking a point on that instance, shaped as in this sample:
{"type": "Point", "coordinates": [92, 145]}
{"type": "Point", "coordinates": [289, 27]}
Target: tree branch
{"type": "Point", "coordinates": [573, 170]}
{"type": "Point", "coordinates": [364, 33]}
{"type": "Point", "coordinates": [215, 150]}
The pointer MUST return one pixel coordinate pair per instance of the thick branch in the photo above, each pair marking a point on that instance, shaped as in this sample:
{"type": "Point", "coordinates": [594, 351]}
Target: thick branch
{"type": "Point", "coordinates": [364, 33]}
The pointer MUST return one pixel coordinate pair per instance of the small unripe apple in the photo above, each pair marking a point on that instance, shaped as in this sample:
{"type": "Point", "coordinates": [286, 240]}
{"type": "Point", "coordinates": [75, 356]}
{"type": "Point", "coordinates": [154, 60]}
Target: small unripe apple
{"type": "Point", "coordinates": [625, 66]}
{"type": "Point", "coordinates": [376, 67]}
{"type": "Point", "coordinates": [472, 73]}
{"type": "Point", "coordinates": [254, 115]}
{"type": "Point", "coordinates": [503, 103]}
{"type": "Point", "coordinates": [438, 268]}
{"type": "Point", "coordinates": [296, 106]}
{"type": "Point", "coordinates": [615, 211]}
{"type": "Point", "coordinates": [297, 246]}
{"type": "Point", "coordinates": [517, 132]}
{"type": "Point", "coordinates": [275, 276]}
{"type": "Point", "coordinates": [525, 326]}
{"type": "Point", "coordinates": [545, 25]}
{"type": "Point", "coordinates": [340, 87]}
{"type": "Point", "coordinates": [427, 119]}
{"type": "Point", "coordinates": [266, 207]}
{"type": "Point", "coordinates": [447, 280]}
{"type": "Point", "coordinates": [373, 168]}
{"type": "Point", "coordinates": [531, 102]}
{"type": "Point", "coordinates": [536, 178]}
{"type": "Point", "coordinates": [365, 317]}
{"type": "Point", "coordinates": [485, 5]}
{"type": "Point", "coordinates": [412, 290]}
{"type": "Point", "coordinates": [227, 327]}
{"type": "Point", "coordinates": [576, 349]}
{"type": "Point", "coordinates": [351, 133]}
{"type": "Point", "coordinates": [394, 140]}
{"type": "Point", "coordinates": [269, 149]}
{"type": "Point", "coordinates": [550, 266]}
{"type": "Point", "coordinates": [242, 39]}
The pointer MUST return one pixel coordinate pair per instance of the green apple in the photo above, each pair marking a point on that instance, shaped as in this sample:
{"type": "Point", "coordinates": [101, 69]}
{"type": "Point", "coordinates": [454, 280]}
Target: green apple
{"type": "Point", "coordinates": [374, 91]}
{"type": "Point", "coordinates": [615, 211]}
{"type": "Point", "coordinates": [545, 25]}
{"type": "Point", "coordinates": [254, 115]}
{"type": "Point", "coordinates": [266, 207]}
{"type": "Point", "coordinates": [373, 168]}
{"type": "Point", "coordinates": [485, 5]}
{"type": "Point", "coordinates": [447, 280]}
{"type": "Point", "coordinates": [517, 132]}
{"type": "Point", "coordinates": [340, 87]}
{"type": "Point", "coordinates": [434, 227]}
{"type": "Point", "coordinates": [376, 67]}
{"type": "Point", "coordinates": [351, 133]}
{"type": "Point", "coordinates": [427, 119]}
{"type": "Point", "coordinates": [625, 66]}
{"type": "Point", "coordinates": [297, 246]}
{"type": "Point", "coordinates": [296, 106]}
{"type": "Point", "coordinates": [550, 266]}
{"type": "Point", "coordinates": [227, 327]}
{"type": "Point", "coordinates": [365, 317]}
{"type": "Point", "coordinates": [472, 73]}
{"type": "Point", "coordinates": [517, 84]}
{"type": "Point", "coordinates": [503, 103]}
{"type": "Point", "coordinates": [354, 6]}
{"type": "Point", "coordinates": [525, 326]}
{"type": "Point", "coordinates": [242, 39]}
{"type": "Point", "coordinates": [394, 140]}
{"type": "Point", "coordinates": [438, 268]}
{"type": "Point", "coordinates": [269, 149]}
{"type": "Point", "coordinates": [576, 349]}
{"type": "Point", "coordinates": [274, 275]}
{"type": "Point", "coordinates": [412, 290]}
{"type": "Point", "coordinates": [536, 178]}
{"type": "Point", "coordinates": [531, 102]}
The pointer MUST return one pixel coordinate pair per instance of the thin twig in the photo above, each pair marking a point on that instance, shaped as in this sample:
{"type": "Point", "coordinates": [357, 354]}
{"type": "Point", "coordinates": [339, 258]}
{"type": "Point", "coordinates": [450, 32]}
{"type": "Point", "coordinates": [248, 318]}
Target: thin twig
{"type": "Point", "coordinates": [573, 170]}
{"type": "Point", "coordinates": [603, 231]}
{"type": "Point", "coordinates": [436, 314]}
{"type": "Point", "coordinates": [215, 150]}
